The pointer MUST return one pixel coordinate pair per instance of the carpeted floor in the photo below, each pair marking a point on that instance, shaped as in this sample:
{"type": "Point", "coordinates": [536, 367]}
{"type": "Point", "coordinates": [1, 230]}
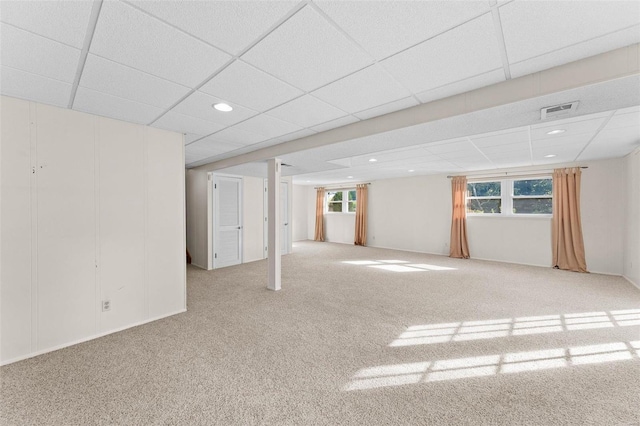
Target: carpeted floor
{"type": "Point", "coordinates": [389, 338]}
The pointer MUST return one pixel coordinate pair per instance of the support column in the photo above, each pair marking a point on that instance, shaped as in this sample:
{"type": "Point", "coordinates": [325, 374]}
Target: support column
{"type": "Point", "coordinates": [273, 223]}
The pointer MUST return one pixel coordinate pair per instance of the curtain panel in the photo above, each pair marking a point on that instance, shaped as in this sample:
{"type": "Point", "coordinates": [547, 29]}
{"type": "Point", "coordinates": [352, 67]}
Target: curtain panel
{"type": "Point", "coordinates": [566, 232]}
{"type": "Point", "coordinates": [458, 247]}
{"type": "Point", "coordinates": [361, 216]}
{"type": "Point", "coordinates": [319, 234]}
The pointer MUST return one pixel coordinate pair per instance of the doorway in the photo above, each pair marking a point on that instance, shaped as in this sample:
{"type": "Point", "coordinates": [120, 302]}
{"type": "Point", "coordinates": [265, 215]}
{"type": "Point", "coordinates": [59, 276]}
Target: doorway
{"type": "Point", "coordinates": [227, 196]}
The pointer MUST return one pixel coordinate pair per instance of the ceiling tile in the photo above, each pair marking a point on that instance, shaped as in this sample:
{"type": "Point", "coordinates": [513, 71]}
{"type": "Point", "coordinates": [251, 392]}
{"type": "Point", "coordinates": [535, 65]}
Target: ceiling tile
{"type": "Point", "coordinates": [267, 126]}
{"type": "Point", "coordinates": [64, 21]}
{"type": "Point", "coordinates": [199, 105]}
{"type": "Point", "coordinates": [387, 108]}
{"type": "Point", "coordinates": [38, 55]}
{"type": "Point", "coordinates": [111, 106]}
{"type": "Point", "coordinates": [239, 136]}
{"type": "Point", "coordinates": [386, 27]}
{"type": "Point", "coordinates": [286, 138]}
{"type": "Point", "coordinates": [468, 50]}
{"type": "Point", "coordinates": [186, 124]}
{"type": "Point", "coordinates": [502, 139]}
{"type": "Point", "coordinates": [229, 25]}
{"type": "Point", "coordinates": [533, 28]}
{"type": "Point", "coordinates": [622, 119]}
{"type": "Point", "coordinates": [560, 151]}
{"type": "Point", "coordinates": [191, 137]}
{"type": "Point", "coordinates": [333, 124]}
{"type": "Point", "coordinates": [456, 145]}
{"type": "Point", "coordinates": [306, 111]}
{"type": "Point", "coordinates": [245, 85]}
{"type": "Point", "coordinates": [462, 86]}
{"type": "Point", "coordinates": [365, 89]}
{"type": "Point", "coordinates": [578, 51]}
{"type": "Point", "coordinates": [510, 149]}
{"type": "Point", "coordinates": [118, 80]}
{"type": "Point", "coordinates": [208, 147]}
{"type": "Point", "coordinates": [131, 37]}
{"type": "Point", "coordinates": [619, 141]}
{"type": "Point", "coordinates": [33, 87]}
{"type": "Point", "coordinates": [554, 143]}
{"type": "Point", "coordinates": [586, 126]}
{"type": "Point", "coordinates": [307, 51]}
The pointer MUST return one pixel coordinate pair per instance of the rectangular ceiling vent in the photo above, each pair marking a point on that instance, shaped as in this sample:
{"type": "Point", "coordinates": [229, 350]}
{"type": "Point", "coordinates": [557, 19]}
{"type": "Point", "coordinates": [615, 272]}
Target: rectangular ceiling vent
{"type": "Point", "coordinates": [558, 110]}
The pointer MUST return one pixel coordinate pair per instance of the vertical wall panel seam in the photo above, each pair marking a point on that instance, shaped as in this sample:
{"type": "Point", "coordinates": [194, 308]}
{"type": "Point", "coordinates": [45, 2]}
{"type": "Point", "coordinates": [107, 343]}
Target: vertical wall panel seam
{"type": "Point", "coordinates": [33, 187]}
{"type": "Point", "coordinates": [97, 258]}
{"type": "Point", "coordinates": [145, 137]}
{"type": "Point", "coordinates": [184, 225]}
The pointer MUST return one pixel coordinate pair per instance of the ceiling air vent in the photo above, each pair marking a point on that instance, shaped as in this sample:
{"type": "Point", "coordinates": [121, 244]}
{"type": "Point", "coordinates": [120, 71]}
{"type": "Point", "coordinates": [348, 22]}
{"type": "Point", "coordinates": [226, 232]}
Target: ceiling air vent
{"type": "Point", "coordinates": [558, 110]}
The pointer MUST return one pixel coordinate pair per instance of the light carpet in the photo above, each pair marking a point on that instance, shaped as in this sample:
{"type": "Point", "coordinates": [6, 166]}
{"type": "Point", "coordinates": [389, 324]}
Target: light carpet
{"type": "Point", "coordinates": [357, 335]}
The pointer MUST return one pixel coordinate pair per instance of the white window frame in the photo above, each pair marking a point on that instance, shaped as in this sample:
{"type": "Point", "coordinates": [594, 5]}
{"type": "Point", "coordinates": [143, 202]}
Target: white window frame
{"type": "Point", "coordinates": [507, 197]}
{"type": "Point", "coordinates": [345, 200]}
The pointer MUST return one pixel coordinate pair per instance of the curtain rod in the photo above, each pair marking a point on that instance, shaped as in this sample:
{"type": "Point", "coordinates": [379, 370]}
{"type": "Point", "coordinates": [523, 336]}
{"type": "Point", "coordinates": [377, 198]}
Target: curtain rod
{"type": "Point", "coordinates": [342, 186]}
{"type": "Point", "coordinates": [523, 173]}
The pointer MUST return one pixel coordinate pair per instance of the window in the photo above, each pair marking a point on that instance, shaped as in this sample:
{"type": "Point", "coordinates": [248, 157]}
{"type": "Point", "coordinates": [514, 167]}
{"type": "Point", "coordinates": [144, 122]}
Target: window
{"type": "Point", "coordinates": [511, 197]}
{"type": "Point", "coordinates": [341, 201]}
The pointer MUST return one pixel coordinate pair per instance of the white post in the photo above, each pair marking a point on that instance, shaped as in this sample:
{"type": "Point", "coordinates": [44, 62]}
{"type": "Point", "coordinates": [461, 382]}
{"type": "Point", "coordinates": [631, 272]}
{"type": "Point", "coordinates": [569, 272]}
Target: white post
{"type": "Point", "coordinates": [273, 223]}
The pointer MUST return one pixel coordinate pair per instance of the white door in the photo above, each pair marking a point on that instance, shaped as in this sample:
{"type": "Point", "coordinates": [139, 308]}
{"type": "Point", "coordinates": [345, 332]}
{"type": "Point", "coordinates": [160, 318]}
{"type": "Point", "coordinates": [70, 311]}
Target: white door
{"type": "Point", "coordinates": [284, 217]}
{"type": "Point", "coordinates": [227, 249]}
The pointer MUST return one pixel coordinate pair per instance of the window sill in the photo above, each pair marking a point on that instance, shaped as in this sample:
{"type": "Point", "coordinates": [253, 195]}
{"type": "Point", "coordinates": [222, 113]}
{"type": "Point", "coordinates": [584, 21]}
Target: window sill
{"type": "Point", "coordinates": [511, 216]}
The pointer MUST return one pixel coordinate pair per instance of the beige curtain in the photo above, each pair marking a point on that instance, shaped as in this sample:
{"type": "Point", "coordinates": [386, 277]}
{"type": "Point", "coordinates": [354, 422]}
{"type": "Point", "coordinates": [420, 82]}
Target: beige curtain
{"type": "Point", "coordinates": [566, 234]}
{"type": "Point", "coordinates": [319, 235]}
{"type": "Point", "coordinates": [361, 216]}
{"type": "Point", "coordinates": [458, 246]}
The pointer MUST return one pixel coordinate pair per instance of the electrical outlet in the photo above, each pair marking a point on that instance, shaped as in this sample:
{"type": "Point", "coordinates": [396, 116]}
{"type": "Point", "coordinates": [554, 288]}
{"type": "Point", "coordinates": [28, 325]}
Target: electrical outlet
{"type": "Point", "coordinates": [106, 305]}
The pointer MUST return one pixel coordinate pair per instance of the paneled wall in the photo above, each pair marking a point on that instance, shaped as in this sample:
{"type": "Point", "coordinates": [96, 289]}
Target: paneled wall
{"type": "Point", "coordinates": [92, 210]}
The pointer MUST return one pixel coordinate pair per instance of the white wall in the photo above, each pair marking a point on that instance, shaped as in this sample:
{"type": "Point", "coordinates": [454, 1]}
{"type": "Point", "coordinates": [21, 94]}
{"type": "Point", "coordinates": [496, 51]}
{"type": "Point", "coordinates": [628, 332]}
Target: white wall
{"type": "Point", "coordinates": [632, 218]}
{"type": "Point", "coordinates": [253, 217]}
{"type": "Point", "coordinates": [300, 214]}
{"type": "Point", "coordinates": [93, 210]}
{"type": "Point", "coordinates": [414, 214]}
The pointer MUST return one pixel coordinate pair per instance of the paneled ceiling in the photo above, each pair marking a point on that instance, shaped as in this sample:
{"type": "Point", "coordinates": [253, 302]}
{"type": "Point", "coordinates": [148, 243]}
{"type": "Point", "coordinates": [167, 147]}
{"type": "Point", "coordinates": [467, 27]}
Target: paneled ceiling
{"type": "Point", "coordinates": [295, 68]}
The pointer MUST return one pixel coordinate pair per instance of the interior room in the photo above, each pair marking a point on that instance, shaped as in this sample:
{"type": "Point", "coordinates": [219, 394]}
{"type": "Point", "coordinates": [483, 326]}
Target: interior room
{"type": "Point", "coordinates": [319, 212]}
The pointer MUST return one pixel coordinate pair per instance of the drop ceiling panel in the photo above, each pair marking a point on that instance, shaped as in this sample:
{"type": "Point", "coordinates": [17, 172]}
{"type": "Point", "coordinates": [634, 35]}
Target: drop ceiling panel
{"type": "Point", "coordinates": [186, 124]}
{"type": "Point", "coordinates": [38, 55]}
{"type": "Point", "coordinates": [577, 51]}
{"type": "Point", "coordinates": [533, 28]}
{"type": "Point", "coordinates": [200, 105]}
{"type": "Point", "coordinates": [63, 21]}
{"type": "Point", "coordinates": [466, 85]}
{"type": "Point", "coordinates": [335, 123]}
{"type": "Point", "coordinates": [307, 51]}
{"type": "Point", "coordinates": [115, 79]}
{"type": "Point", "coordinates": [267, 126]}
{"type": "Point", "coordinates": [208, 147]}
{"type": "Point", "coordinates": [503, 139]}
{"type": "Point", "coordinates": [444, 59]}
{"type": "Point", "coordinates": [243, 84]}
{"type": "Point", "coordinates": [306, 111]}
{"type": "Point", "coordinates": [289, 137]}
{"type": "Point", "coordinates": [365, 89]}
{"type": "Point", "coordinates": [239, 136]}
{"type": "Point", "coordinates": [624, 120]}
{"type": "Point", "coordinates": [376, 25]}
{"type": "Point", "coordinates": [33, 87]}
{"type": "Point", "coordinates": [454, 146]}
{"type": "Point", "coordinates": [563, 151]}
{"type": "Point", "coordinates": [624, 138]}
{"type": "Point", "coordinates": [588, 126]}
{"type": "Point", "coordinates": [131, 37]}
{"type": "Point", "coordinates": [509, 149]}
{"type": "Point", "coordinates": [229, 25]}
{"type": "Point", "coordinates": [191, 137]}
{"type": "Point", "coordinates": [387, 108]}
{"type": "Point", "coordinates": [559, 142]}
{"type": "Point", "coordinates": [111, 106]}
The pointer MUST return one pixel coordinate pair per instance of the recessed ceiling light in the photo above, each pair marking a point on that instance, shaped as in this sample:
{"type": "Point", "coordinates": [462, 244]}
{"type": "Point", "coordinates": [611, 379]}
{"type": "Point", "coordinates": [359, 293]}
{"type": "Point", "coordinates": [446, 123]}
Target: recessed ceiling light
{"type": "Point", "coordinates": [411, 171]}
{"type": "Point", "coordinates": [349, 177]}
{"type": "Point", "coordinates": [223, 107]}
{"type": "Point", "coordinates": [556, 132]}
{"type": "Point", "coordinates": [372, 160]}
{"type": "Point", "coordinates": [549, 156]}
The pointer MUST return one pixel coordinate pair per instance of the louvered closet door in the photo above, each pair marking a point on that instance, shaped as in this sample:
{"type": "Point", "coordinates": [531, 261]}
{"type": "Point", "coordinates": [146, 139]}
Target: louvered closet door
{"type": "Point", "coordinates": [227, 221]}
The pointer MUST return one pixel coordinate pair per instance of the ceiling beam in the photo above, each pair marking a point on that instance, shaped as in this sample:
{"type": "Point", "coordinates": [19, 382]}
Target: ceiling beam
{"type": "Point", "coordinates": [601, 68]}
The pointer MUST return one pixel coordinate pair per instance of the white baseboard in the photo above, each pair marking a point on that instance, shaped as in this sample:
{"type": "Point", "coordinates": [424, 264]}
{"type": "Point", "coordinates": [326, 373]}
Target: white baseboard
{"type": "Point", "coordinates": [86, 339]}
{"type": "Point", "coordinates": [636, 285]}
